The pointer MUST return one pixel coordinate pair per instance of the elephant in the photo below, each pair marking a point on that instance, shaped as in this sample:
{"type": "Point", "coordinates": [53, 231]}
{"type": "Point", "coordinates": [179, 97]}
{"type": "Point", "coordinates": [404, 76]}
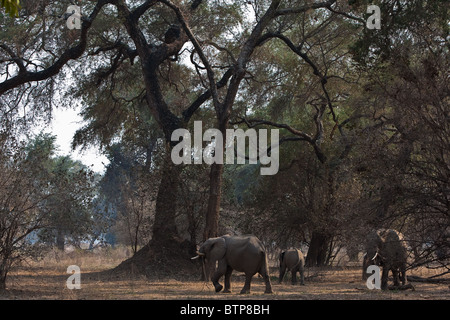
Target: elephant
{"type": "Point", "coordinates": [386, 248]}
{"type": "Point", "coordinates": [293, 260]}
{"type": "Point", "coordinates": [244, 253]}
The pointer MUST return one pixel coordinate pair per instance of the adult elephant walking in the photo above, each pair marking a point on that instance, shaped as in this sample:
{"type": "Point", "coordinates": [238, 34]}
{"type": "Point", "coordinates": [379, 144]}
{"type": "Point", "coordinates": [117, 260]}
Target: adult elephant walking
{"type": "Point", "coordinates": [241, 253]}
{"type": "Point", "coordinates": [386, 248]}
{"type": "Point", "coordinates": [293, 260]}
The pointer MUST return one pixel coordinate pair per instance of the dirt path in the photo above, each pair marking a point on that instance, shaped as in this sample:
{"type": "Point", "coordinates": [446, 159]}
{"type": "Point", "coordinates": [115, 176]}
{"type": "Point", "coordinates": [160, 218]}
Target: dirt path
{"type": "Point", "coordinates": [337, 284]}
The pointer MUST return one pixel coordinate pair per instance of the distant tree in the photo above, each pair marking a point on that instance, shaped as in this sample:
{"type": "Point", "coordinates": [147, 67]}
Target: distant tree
{"type": "Point", "coordinates": [70, 208]}
{"type": "Point", "coordinates": [42, 197]}
{"type": "Point", "coordinates": [103, 218]}
{"type": "Point", "coordinates": [24, 190]}
{"type": "Point", "coordinates": [129, 189]}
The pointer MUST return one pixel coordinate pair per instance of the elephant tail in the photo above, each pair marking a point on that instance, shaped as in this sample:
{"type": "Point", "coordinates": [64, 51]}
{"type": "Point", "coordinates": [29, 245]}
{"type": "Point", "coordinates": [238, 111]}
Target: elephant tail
{"type": "Point", "coordinates": [298, 262]}
{"type": "Point", "coordinates": [281, 257]}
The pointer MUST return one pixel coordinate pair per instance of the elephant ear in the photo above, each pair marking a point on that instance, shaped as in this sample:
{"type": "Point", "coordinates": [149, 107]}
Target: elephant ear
{"type": "Point", "coordinates": [217, 249]}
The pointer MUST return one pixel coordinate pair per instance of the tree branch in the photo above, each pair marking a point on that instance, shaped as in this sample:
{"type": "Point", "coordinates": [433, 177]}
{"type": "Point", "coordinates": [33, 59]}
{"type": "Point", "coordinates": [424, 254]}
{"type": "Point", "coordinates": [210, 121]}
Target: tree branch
{"type": "Point", "coordinates": [201, 54]}
{"type": "Point", "coordinates": [14, 57]}
{"type": "Point", "coordinates": [70, 54]}
{"type": "Point", "coordinates": [244, 56]}
{"type": "Point", "coordinates": [187, 114]}
{"type": "Point", "coordinates": [286, 11]}
{"type": "Point", "coordinates": [305, 57]}
{"type": "Point", "coordinates": [300, 135]}
{"type": "Point", "coordinates": [139, 11]}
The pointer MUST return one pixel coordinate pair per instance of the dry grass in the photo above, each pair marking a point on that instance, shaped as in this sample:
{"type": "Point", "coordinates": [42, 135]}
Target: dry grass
{"type": "Point", "coordinates": [47, 280]}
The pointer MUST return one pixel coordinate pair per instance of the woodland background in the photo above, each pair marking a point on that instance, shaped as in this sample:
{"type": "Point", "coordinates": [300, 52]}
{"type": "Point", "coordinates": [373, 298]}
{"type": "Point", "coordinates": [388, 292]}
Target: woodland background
{"type": "Point", "coordinates": [363, 114]}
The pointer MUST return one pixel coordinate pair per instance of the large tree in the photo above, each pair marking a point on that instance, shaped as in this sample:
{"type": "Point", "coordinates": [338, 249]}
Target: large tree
{"type": "Point", "coordinates": [153, 33]}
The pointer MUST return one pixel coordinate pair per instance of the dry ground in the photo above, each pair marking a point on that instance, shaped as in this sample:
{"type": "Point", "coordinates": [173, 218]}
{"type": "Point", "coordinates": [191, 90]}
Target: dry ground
{"type": "Point", "coordinates": [47, 280]}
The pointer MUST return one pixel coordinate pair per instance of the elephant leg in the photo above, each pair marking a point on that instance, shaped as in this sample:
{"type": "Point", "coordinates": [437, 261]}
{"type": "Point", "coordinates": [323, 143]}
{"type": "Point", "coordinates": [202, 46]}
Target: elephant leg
{"type": "Point", "coordinates": [248, 280]}
{"type": "Point", "coordinates": [268, 284]}
{"type": "Point", "coordinates": [265, 274]}
{"type": "Point", "coordinates": [395, 275]}
{"type": "Point", "coordinates": [215, 281]}
{"type": "Point", "coordinates": [302, 276]}
{"type": "Point", "coordinates": [282, 272]}
{"type": "Point", "coordinates": [294, 276]}
{"type": "Point", "coordinates": [403, 274]}
{"type": "Point", "coordinates": [384, 278]}
{"type": "Point", "coordinates": [221, 270]}
{"type": "Point", "coordinates": [364, 271]}
{"type": "Point", "coordinates": [227, 280]}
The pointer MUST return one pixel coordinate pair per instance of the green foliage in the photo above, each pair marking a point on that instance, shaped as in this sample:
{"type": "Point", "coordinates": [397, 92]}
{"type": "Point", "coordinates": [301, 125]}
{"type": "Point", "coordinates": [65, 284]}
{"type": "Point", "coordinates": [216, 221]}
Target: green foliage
{"type": "Point", "coordinates": [12, 7]}
{"type": "Point", "coordinates": [401, 22]}
{"type": "Point", "coordinates": [43, 197]}
{"type": "Point", "coordinates": [67, 193]}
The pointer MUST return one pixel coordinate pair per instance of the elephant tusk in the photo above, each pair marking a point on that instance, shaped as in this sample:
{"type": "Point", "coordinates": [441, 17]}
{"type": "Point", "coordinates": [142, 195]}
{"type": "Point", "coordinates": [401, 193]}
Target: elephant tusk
{"type": "Point", "coordinates": [199, 254]}
{"type": "Point", "coordinates": [376, 254]}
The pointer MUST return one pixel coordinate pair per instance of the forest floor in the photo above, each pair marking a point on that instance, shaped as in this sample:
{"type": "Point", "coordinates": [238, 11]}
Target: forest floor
{"type": "Point", "coordinates": [47, 279]}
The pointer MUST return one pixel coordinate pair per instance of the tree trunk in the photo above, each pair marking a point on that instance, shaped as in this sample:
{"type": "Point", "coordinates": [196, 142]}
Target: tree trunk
{"type": "Point", "coordinates": [166, 247]}
{"type": "Point", "coordinates": [318, 249]}
{"type": "Point", "coordinates": [215, 196]}
{"type": "Point", "coordinates": [215, 190]}
{"type": "Point", "coordinates": [164, 227]}
{"type": "Point", "coordinates": [5, 264]}
{"type": "Point", "coordinates": [212, 214]}
{"type": "Point", "coordinates": [3, 274]}
{"type": "Point", "coordinates": [213, 211]}
{"type": "Point", "coordinates": [60, 239]}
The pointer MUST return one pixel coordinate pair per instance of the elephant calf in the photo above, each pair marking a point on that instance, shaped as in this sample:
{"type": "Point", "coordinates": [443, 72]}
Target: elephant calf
{"type": "Point", "coordinates": [293, 260]}
{"type": "Point", "coordinates": [242, 253]}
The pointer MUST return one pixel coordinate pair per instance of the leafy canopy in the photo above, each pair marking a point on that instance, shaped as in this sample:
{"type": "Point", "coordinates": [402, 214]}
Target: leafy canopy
{"type": "Point", "coordinates": [12, 7]}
